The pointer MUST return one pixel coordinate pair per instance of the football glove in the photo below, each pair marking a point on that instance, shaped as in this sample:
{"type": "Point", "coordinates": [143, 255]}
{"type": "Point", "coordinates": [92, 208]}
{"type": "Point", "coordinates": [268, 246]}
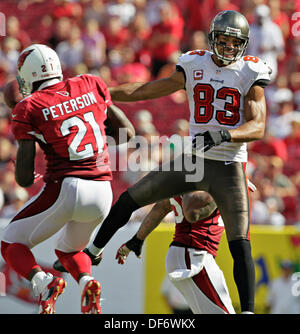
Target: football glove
{"type": "Point", "coordinates": [134, 244]}
{"type": "Point", "coordinates": [211, 138]}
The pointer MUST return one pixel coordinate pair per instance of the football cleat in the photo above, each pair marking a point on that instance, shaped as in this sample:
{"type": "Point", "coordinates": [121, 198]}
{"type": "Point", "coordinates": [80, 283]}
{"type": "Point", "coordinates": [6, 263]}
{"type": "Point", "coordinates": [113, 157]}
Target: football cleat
{"type": "Point", "coordinates": [95, 261]}
{"type": "Point", "coordinates": [90, 299]}
{"type": "Point", "coordinates": [50, 294]}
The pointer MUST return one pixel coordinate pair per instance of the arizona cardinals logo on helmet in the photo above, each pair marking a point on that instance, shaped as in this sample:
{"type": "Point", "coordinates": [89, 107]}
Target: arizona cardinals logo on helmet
{"type": "Point", "coordinates": [22, 58]}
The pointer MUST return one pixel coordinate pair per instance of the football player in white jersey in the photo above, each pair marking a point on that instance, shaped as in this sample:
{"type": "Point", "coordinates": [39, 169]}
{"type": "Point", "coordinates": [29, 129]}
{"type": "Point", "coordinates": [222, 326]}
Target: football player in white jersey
{"type": "Point", "coordinates": [227, 106]}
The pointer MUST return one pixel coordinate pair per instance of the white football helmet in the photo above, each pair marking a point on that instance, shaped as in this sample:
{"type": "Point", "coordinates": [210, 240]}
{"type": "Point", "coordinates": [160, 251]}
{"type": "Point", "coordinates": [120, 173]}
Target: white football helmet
{"type": "Point", "coordinates": [37, 62]}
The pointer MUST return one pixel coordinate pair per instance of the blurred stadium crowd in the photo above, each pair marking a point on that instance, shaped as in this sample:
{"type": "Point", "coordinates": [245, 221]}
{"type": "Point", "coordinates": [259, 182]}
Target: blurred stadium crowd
{"type": "Point", "coordinates": [139, 40]}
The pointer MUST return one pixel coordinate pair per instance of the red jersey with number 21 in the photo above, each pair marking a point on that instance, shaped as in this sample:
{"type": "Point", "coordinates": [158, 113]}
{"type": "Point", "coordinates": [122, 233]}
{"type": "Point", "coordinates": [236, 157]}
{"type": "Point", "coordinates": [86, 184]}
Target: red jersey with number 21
{"type": "Point", "coordinates": [67, 120]}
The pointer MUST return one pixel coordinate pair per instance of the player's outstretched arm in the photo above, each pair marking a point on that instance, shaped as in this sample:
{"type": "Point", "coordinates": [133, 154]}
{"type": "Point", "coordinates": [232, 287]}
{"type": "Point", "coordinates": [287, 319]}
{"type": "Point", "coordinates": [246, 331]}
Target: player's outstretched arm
{"type": "Point", "coordinates": [139, 91]}
{"type": "Point", "coordinates": [116, 119]}
{"type": "Point", "coordinates": [24, 172]}
{"type": "Point", "coordinates": [150, 222]}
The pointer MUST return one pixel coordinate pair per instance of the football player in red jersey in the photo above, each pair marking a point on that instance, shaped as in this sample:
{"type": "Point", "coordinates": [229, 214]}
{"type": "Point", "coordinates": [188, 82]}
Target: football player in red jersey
{"type": "Point", "coordinates": [67, 119]}
{"type": "Point", "coordinates": [190, 261]}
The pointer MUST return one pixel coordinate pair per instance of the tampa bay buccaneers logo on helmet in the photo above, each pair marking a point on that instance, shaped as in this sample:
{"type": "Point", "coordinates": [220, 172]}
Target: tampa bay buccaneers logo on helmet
{"type": "Point", "coordinates": [22, 58]}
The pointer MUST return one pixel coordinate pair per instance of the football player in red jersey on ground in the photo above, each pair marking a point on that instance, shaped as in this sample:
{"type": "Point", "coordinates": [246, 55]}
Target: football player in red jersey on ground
{"type": "Point", "coordinates": [190, 261]}
{"type": "Point", "coordinates": [225, 91]}
{"type": "Point", "coordinates": [66, 118]}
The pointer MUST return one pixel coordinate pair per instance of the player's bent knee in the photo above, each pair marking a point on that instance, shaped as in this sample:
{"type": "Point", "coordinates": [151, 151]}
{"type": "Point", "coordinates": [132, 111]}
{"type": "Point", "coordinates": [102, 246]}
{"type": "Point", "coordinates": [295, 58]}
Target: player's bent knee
{"type": "Point", "coordinates": [127, 200]}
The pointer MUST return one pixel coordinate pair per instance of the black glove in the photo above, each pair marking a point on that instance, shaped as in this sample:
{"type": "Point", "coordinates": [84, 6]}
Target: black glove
{"type": "Point", "coordinates": [211, 138]}
{"type": "Point", "coordinates": [135, 245]}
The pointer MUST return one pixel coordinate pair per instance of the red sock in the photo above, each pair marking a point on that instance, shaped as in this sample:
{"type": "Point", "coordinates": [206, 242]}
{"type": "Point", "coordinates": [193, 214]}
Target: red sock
{"type": "Point", "coordinates": [76, 263]}
{"type": "Point", "coordinates": [19, 257]}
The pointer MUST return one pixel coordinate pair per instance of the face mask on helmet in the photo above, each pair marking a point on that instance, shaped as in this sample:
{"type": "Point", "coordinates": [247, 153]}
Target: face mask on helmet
{"type": "Point", "coordinates": [37, 63]}
{"type": "Point", "coordinates": [227, 54]}
{"type": "Point", "coordinates": [232, 24]}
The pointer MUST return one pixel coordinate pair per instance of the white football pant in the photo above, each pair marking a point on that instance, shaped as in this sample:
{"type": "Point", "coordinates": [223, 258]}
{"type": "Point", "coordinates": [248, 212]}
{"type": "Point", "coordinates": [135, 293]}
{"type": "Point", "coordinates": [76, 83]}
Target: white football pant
{"type": "Point", "coordinates": [197, 276]}
{"type": "Point", "coordinates": [74, 207]}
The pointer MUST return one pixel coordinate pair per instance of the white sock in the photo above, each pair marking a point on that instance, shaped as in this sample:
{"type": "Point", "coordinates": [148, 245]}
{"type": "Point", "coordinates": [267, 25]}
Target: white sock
{"type": "Point", "coordinates": [84, 280]}
{"type": "Point", "coordinates": [95, 250]}
{"type": "Point", "coordinates": [39, 282]}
